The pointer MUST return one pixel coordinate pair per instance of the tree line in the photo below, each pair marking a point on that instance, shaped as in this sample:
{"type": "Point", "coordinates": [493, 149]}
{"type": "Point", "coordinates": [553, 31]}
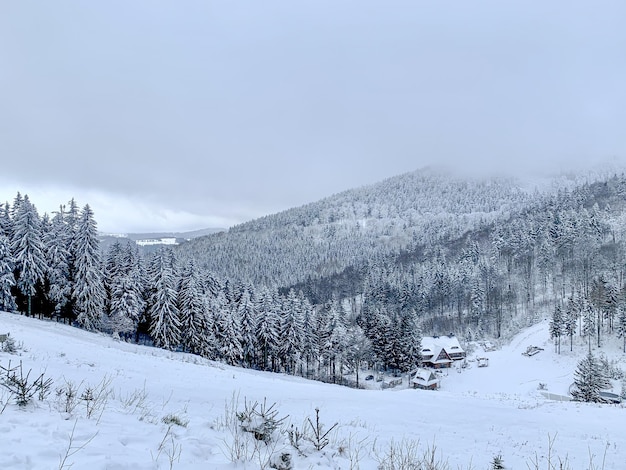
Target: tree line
{"type": "Point", "coordinates": [52, 267]}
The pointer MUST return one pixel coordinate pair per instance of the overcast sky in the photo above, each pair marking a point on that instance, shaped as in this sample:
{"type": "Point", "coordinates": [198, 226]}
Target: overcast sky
{"type": "Point", "coordinates": [179, 115]}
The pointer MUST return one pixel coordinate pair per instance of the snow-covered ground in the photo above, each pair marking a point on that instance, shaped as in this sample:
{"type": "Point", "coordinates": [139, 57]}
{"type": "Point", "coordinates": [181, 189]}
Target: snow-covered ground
{"type": "Point", "coordinates": [478, 413]}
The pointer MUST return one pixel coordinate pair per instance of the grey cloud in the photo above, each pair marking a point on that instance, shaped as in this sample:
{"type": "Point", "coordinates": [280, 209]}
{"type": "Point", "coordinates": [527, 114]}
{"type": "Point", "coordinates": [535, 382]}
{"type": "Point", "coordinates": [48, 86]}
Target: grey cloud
{"type": "Point", "coordinates": [234, 109]}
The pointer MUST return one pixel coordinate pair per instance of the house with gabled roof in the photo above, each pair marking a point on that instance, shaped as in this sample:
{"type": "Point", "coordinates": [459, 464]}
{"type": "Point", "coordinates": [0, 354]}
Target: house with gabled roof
{"type": "Point", "coordinates": [425, 379]}
{"type": "Point", "coordinates": [441, 351]}
{"type": "Point", "coordinates": [439, 359]}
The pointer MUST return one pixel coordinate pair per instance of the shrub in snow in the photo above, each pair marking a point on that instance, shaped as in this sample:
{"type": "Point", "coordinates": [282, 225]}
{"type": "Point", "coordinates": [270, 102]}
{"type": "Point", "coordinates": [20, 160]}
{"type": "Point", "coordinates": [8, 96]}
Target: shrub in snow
{"type": "Point", "coordinates": [9, 345]}
{"type": "Point", "coordinates": [172, 419]}
{"type": "Point", "coordinates": [317, 436]}
{"type": "Point", "coordinates": [497, 463]}
{"type": "Point", "coordinates": [260, 421]}
{"type": "Point", "coordinates": [67, 397]}
{"type": "Point", "coordinates": [407, 454]}
{"type": "Point", "coordinates": [20, 385]}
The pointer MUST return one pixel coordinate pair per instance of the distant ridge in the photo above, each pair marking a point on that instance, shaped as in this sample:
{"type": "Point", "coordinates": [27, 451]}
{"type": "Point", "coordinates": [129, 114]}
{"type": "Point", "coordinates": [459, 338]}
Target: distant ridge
{"type": "Point", "coordinates": [149, 241]}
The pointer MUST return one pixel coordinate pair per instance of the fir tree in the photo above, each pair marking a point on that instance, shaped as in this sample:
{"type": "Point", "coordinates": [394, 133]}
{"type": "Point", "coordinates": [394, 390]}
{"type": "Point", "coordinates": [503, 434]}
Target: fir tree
{"type": "Point", "coordinates": [589, 379]}
{"type": "Point", "coordinates": [248, 323]}
{"type": "Point", "coordinates": [28, 249]}
{"type": "Point", "coordinates": [291, 331]}
{"type": "Point", "coordinates": [7, 280]}
{"type": "Point", "coordinates": [557, 327]}
{"type": "Point", "coordinates": [88, 291]}
{"type": "Point", "coordinates": [267, 332]}
{"type": "Point", "coordinates": [163, 311]}
{"type": "Point", "coordinates": [310, 339]}
{"type": "Point", "coordinates": [228, 328]}
{"type": "Point", "coordinates": [359, 349]}
{"type": "Point", "coordinates": [621, 325]}
{"type": "Point", "coordinates": [589, 319]}
{"type": "Point", "coordinates": [6, 224]}
{"type": "Point", "coordinates": [127, 306]}
{"type": "Point", "coordinates": [192, 308]}
{"type": "Point", "coordinates": [571, 317]}
{"type": "Point", "coordinates": [57, 241]}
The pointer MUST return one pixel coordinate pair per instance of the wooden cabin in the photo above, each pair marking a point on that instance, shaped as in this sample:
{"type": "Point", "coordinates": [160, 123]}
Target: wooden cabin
{"type": "Point", "coordinates": [432, 347]}
{"type": "Point", "coordinates": [425, 379]}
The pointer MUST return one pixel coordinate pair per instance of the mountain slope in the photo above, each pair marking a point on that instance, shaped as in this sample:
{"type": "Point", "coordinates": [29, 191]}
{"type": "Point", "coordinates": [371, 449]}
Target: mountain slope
{"type": "Point", "coordinates": [478, 413]}
{"type": "Point", "coordinates": [323, 238]}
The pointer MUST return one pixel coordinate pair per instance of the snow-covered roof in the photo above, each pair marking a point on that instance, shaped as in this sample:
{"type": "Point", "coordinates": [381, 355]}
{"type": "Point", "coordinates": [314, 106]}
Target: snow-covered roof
{"type": "Point", "coordinates": [440, 356]}
{"type": "Point", "coordinates": [433, 344]}
{"type": "Point", "coordinates": [425, 377]}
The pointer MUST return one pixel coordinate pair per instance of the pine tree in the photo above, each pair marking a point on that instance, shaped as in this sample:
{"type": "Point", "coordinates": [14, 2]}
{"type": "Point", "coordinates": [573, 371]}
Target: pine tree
{"type": "Point", "coordinates": [409, 341]}
{"type": "Point", "coordinates": [127, 306]}
{"type": "Point", "coordinates": [571, 317]}
{"type": "Point", "coordinates": [291, 332]}
{"type": "Point", "coordinates": [192, 308]}
{"type": "Point", "coordinates": [28, 249]}
{"type": "Point", "coordinates": [6, 224]}
{"type": "Point", "coordinates": [557, 327]}
{"type": "Point", "coordinates": [621, 325]}
{"type": "Point", "coordinates": [382, 338]}
{"type": "Point", "coordinates": [248, 323]}
{"type": "Point", "coordinates": [228, 328]}
{"type": "Point", "coordinates": [359, 349]}
{"type": "Point", "coordinates": [88, 290]}
{"type": "Point", "coordinates": [163, 310]}
{"type": "Point", "coordinates": [113, 269]}
{"type": "Point", "coordinates": [310, 340]}
{"type": "Point", "coordinates": [57, 241]}
{"type": "Point", "coordinates": [267, 333]}
{"type": "Point", "coordinates": [7, 280]}
{"type": "Point", "coordinates": [589, 379]}
{"type": "Point", "coordinates": [589, 319]}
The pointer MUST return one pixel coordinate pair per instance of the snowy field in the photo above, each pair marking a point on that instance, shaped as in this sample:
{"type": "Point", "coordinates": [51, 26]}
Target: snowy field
{"type": "Point", "coordinates": [478, 413]}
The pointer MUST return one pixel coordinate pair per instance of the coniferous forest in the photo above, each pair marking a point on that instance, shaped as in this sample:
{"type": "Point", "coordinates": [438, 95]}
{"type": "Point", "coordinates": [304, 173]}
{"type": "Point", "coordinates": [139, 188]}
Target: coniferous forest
{"type": "Point", "coordinates": [353, 279]}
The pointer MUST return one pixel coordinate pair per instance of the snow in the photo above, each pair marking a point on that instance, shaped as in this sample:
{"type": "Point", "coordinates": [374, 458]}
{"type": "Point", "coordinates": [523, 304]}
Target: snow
{"type": "Point", "coordinates": [478, 412]}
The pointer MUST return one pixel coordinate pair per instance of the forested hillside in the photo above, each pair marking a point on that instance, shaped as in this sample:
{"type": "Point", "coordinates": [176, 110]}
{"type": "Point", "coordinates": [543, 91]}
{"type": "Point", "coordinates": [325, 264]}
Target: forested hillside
{"type": "Point", "coordinates": [353, 279]}
{"type": "Point", "coordinates": [325, 237]}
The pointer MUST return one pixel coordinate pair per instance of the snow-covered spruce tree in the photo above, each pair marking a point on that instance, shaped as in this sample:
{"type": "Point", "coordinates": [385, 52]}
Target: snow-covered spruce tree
{"type": "Point", "coordinates": [557, 327]}
{"type": "Point", "coordinates": [17, 202]}
{"type": "Point", "coordinates": [192, 308]}
{"type": "Point", "coordinates": [409, 341]}
{"type": "Point", "coordinates": [163, 310]}
{"type": "Point", "coordinates": [113, 269]}
{"type": "Point", "coordinates": [570, 320]}
{"type": "Point", "coordinates": [589, 379]}
{"type": "Point", "coordinates": [291, 332]}
{"type": "Point", "coordinates": [57, 240]}
{"type": "Point", "coordinates": [6, 224]}
{"type": "Point", "coordinates": [88, 291]}
{"type": "Point", "coordinates": [228, 333]}
{"type": "Point", "coordinates": [127, 306]}
{"type": "Point", "coordinates": [323, 332]}
{"type": "Point", "coordinates": [335, 332]}
{"type": "Point", "coordinates": [28, 250]}
{"type": "Point", "coordinates": [310, 340]}
{"type": "Point", "coordinates": [72, 221]}
{"type": "Point", "coordinates": [267, 332]}
{"type": "Point", "coordinates": [359, 349]}
{"type": "Point", "coordinates": [7, 280]}
{"type": "Point", "coordinates": [621, 325]}
{"type": "Point", "coordinates": [248, 323]}
{"type": "Point", "coordinates": [589, 319]}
